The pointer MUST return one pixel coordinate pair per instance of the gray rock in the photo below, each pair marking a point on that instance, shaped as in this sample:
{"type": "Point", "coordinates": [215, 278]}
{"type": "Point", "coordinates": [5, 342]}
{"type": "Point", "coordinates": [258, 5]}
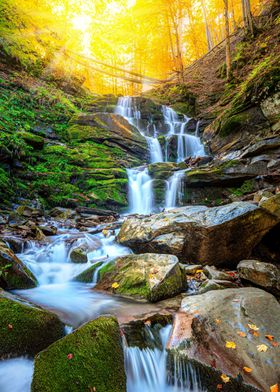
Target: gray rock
{"type": "Point", "coordinates": [207, 236]}
{"type": "Point", "coordinates": [265, 275]}
{"type": "Point", "coordinates": [214, 273]}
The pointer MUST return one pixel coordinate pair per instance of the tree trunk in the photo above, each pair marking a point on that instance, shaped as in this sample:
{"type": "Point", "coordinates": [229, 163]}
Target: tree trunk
{"type": "Point", "coordinates": [208, 34]}
{"type": "Point", "coordinates": [248, 19]}
{"type": "Point", "coordinates": [228, 54]}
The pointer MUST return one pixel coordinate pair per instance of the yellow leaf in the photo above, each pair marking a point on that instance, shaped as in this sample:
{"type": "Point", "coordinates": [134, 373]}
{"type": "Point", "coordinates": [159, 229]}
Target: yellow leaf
{"type": "Point", "coordinates": [269, 337]}
{"type": "Point", "coordinates": [230, 345]}
{"type": "Point", "coordinates": [274, 388]}
{"type": "Point", "coordinates": [217, 321]}
{"type": "Point", "coordinates": [247, 369]}
{"type": "Point", "coordinates": [115, 285]}
{"type": "Point", "coordinates": [262, 348]}
{"type": "Point", "coordinates": [225, 378]}
{"type": "Point", "coordinates": [198, 271]}
{"type": "Point", "coordinates": [242, 334]}
{"type": "Point", "coordinates": [253, 327]}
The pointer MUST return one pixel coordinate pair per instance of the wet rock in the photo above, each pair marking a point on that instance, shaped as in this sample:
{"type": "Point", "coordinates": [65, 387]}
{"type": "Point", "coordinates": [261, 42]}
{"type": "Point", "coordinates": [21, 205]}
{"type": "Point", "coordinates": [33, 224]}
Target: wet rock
{"type": "Point", "coordinates": [149, 276]}
{"type": "Point", "coordinates": [272, 205]}
{"type": "Point", "coordinates": [215, 284]}
{"type": "Point", "coordinates": [205, 323]}
{"type": "Point", "coordinates": [270, 108]}
{"type": "Point", "coordinates": [28, 212]}
{"type": "Point", "coordinates": [96, 211]}
{"type": "Point", "coordinates": [13, 273]}
{"type": "Point", "coordinates": [62, 213]}
{"type": "Point", "coordinates": [214, 273]}
{"type": "Point", "coordinates": [262, 274]}
{"type": "Point", "coordinates": [190, 269]}
{"type": "Point", "coordinates": [207, 236]}
{"type": "Point", "coordinates": [24, 328]}
{"type": "Point", "coordinates": [262, 146]}
{"type": "Point", "coordinates": [16, 244]}
{"type": "Point", "coordinates": [79, 253]}
{"type": "Point", "coordinates": [90, 358]}
{"type": "Point", "coordinates": [48, 230]}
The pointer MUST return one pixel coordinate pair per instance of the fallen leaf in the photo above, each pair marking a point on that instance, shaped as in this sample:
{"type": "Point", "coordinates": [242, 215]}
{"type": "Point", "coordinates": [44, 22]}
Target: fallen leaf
{"type": "Point", "coordinates": [217, 321]}
{"type": "Point", "coordinates": [247, 369]}
{"type": "Point", "coordinates": [148, 322]}
{"type": "Point", "coordinates": [115, 285]}
{"type": "Point", "coordinates": [253, 327]}
{"type": "Point", "coordinates": [198, 271]}
{"type": "Point", "coordinates": [225, 378]}
{"type": "Point", "coordinates": [274, 388]}
{"type": "Point", "coordinates": [230, 345]}
{"type": "Point", "coordinates": [262, 348]}
{"type": "Point", "coordinates": [275, 344]}
{"type": "Point", "coordinates": [10, 326]}
{"type": "Point", "coordinates": [269, 337]}
{"type": "Point", "coordinates": [70, 356]}
{"type": "Point", "coordinates": [220, 386]}
{"type": "Point", "coordinates": [242, 334]}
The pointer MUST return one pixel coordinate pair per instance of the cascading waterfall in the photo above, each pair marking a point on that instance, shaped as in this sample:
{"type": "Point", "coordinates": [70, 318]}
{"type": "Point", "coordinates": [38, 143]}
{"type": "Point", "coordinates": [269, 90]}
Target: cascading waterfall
{"type": "Point", "coordinates": [139, 182]}
{"type": "Point", "coordinates": [140, 191]}
{"type": "Point", "coordinates": [146, 369]}
{"type": "Point", "coordinates": [174, 189]}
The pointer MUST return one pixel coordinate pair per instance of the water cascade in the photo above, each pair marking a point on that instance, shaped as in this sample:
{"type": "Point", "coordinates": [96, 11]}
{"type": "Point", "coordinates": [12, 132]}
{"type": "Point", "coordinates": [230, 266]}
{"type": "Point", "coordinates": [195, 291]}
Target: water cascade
{"type": "Point", "coordinates": [140, 191]}
{"type": "Point", "coordinates": [174, 189]}
{"type": "Point", "coordinates": [146, 368]}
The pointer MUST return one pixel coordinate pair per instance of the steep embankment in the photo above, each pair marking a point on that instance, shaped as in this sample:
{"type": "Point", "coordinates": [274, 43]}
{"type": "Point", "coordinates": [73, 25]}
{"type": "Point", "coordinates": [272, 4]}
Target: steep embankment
{"type": "Point", "coordinates": [49, 151]}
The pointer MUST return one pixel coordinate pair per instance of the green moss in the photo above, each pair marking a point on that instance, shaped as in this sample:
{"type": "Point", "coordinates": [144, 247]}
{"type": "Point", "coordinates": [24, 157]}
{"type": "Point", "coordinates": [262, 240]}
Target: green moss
{"type": "Point", "coordinates": [233, 124]}
{"type": "Point", "coordinates": [31, 329]}
{"type": "Point", "coordinates": [13, 273]}
{"type": "Point", "coordinates": [107, 268]}
{"type": "Point", "coordinates": [87, 275]}
{"type": "Point", "coordinates": [96, 361]}
{"type": "Point", "coordinates": [34, 141]}
{"type": "Point", "coordinates": [247, 187]}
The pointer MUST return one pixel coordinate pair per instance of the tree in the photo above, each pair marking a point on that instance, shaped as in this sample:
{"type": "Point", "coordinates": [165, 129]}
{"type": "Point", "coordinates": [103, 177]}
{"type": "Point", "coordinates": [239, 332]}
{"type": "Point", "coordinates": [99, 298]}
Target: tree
{"type": "Point", "coordinates": [228, 54]}
{"type": "Point", "coordinates": [248, 19]}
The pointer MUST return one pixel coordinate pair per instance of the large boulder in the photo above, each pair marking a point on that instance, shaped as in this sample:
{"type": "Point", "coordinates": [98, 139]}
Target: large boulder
{"type": "Point", "coordinates": [24, 328]}
{"type": "Point", "coordinates": [234, 332]}
{"type": "Point", "coordinates": [89, 359]}
{"type": "Point", "coordinates": [149, 276]}
{"type": "Point", "coordinates": [13, 273]}
{"type": "Point", "coordinates": [265, 275]}
{"type": "Point", "coordinates": [197, 234]}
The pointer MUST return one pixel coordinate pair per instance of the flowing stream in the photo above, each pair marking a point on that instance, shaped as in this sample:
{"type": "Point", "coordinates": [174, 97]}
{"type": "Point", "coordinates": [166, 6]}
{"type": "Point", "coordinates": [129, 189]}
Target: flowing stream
{"type": "Point", "coordinates": [76, 302]}
{"type": "Point", "coordinates": [140, 183]}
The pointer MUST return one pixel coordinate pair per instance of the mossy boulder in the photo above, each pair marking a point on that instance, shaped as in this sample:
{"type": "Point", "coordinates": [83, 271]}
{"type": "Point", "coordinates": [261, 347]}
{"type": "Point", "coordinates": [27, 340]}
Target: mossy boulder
{"type": "Point", "coordinates": [24, 328]}
{"type": "Point", "coordinates": [13, 273]}
{"type": "Point", "coordinates": [148, 276]}
{"type": "Point", "coordinates": [91, 358]}
{"type": "Point", "coordinates": [35, 141]}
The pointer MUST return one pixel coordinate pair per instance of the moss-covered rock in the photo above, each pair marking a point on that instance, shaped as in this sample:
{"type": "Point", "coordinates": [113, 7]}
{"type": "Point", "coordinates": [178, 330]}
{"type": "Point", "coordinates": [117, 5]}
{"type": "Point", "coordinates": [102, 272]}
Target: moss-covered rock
{"type": "Point", "coordinates": [90, 358]}
{"type": "Point", "coordinates": [13, 273]}
{"type": "Point", "coordinates": [148, 276]}
{"type": "Point", "coordinates": [24, 328]}
{"type": "Point", "coordinates": [87, 275]}
{"type": "Point", "coordinates": [35, 141]}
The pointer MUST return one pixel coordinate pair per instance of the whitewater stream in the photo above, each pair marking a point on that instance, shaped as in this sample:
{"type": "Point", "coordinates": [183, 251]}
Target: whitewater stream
{"type": "Point", "coordinates": [76, 303]}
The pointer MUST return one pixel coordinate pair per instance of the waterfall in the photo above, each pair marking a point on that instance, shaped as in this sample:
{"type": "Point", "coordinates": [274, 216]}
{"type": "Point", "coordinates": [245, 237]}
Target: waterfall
{"type": "Point", "coordinates": [127, 108]}
{"type": "Point", "coordinates": [197, 130]}
{"type": "Point", "coordinates": [146, 369]}
{"type": "Point", "coordinates": [187, 145]}
{"type": "Point", "coordinates": [140, 191]}
{"type": "Point", "coordinates": [174, 189]}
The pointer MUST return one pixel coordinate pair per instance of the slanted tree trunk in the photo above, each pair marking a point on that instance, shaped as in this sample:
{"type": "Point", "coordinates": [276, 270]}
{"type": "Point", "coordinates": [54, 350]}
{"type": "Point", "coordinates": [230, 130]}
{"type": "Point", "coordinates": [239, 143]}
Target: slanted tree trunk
{"type": "Point", "coordinates": [248, 19]}
{"type": "Point", "coordinates": [228, 54]}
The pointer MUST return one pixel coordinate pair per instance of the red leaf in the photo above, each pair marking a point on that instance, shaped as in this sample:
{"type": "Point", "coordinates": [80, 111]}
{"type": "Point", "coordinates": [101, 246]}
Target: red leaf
{"type": "Point", "coordinates": [70, 356]}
